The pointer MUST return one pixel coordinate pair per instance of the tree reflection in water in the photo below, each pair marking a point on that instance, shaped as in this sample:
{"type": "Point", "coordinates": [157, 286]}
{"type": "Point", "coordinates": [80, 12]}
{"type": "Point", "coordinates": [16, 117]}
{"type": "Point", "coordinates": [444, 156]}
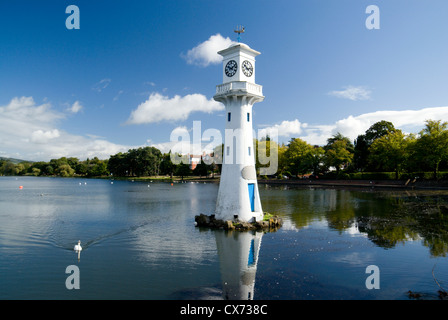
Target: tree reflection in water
{"type": "Point", "coordinates": [386, 217]}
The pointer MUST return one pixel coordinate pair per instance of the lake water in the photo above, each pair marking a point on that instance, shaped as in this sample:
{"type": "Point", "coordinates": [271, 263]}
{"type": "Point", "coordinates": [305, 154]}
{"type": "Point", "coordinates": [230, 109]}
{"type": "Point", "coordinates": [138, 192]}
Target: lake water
{"type": "Point", "coordinates": [140, 242]}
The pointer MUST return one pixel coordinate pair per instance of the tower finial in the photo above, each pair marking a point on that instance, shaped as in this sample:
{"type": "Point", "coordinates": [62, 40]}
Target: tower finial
{"type": "Point", "coordinates": [239, 30]}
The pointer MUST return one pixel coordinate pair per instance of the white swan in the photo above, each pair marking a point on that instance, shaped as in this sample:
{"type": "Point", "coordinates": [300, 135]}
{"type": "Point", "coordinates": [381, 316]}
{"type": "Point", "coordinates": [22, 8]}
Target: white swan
{"type": "Point", "coordinates": [78, 247]}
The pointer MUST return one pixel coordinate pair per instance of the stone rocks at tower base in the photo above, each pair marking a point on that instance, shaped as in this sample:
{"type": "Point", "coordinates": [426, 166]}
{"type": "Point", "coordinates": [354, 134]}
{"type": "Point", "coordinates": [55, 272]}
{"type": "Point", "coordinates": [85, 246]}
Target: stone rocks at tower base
{"type": "Point", "coordinates": [270, 223]}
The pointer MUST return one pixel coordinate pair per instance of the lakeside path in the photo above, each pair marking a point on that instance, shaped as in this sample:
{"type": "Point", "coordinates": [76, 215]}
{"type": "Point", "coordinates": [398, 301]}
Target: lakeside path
{"type": "Point", "coordinates": [383, 184]}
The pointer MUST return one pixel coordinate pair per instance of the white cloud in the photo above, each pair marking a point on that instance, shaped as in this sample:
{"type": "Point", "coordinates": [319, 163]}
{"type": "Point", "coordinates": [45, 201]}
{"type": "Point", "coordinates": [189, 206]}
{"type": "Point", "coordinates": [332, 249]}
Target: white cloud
{"type": "Point", "coordinates": [75, 108]}
{"type": "Point", "coordinates": [180, 142]}
{"type": "Point", "coordinates": [205, 53]}
{"type": "Point", "coordinates": [191, 141]}
{"type": "Point", "coordinates": [24, 110]}
{"type": "Point", "coordinates": [284, 129]}
{"type": "Point", "coordinates": [317, 134]}
{"type": "Point", "coordinates": [180, 131]}
{"type": "Point", "coordinates": [30, 131]}
{"type": "Point", "coordinates": [352, 93]}
{"type": "Point", "coordinates": [161, 108]}
{"type": "Point", "coordinates": [42, 137]}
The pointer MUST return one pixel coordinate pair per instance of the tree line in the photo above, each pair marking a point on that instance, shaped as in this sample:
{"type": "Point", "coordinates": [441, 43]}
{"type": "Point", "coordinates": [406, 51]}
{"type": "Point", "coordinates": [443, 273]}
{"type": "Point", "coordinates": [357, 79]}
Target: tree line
{"type": "Point", "coordinates": [381, 152]}
{"type": "Point", "coordinates": [140, 162]}
{"type": "Point", "coordinates": [62, 167]}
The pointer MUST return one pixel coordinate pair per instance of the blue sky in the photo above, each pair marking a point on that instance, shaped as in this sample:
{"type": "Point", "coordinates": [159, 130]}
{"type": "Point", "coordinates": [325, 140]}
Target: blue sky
{"type": "Point", "coordinates": [74, 92]}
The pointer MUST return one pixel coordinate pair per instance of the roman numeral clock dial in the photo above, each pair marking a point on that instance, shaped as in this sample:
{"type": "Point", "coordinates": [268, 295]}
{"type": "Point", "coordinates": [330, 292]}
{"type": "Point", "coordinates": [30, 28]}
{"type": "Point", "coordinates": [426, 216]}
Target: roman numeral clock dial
{"type": "Point", "coordinates": [248, 70]}
{"type": "Point", "coordinates": [231, 68]}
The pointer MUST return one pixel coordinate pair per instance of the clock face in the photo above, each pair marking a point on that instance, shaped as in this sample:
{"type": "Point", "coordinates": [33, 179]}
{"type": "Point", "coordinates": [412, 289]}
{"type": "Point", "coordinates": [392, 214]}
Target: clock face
{"type": "Point", "coordinates": [231, 68]}
{"type": "Point", "coordinates": [248, 70]}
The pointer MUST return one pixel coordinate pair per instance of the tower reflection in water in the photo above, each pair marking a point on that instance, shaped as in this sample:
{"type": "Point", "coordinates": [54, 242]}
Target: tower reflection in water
{"type": "Point", "coordinates": [238, 258]}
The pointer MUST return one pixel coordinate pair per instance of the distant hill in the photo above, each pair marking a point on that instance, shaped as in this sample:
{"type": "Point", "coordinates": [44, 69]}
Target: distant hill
{"type": "Point", "coordinates": [13, 160]}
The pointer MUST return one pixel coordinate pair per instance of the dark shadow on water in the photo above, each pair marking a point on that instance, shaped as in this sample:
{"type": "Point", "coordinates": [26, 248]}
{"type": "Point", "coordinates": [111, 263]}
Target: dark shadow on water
{"type": "Point", "coordinates": [201, 293]}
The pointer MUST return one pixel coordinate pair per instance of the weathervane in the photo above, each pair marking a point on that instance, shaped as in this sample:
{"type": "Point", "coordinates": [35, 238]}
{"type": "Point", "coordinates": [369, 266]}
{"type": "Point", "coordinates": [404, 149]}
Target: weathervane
{"type": "Point", "coordinates": [239, 30]}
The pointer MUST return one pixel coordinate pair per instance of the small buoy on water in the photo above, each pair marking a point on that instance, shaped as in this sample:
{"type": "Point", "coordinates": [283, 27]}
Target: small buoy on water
{"type": "Point", "coordinates": [171, 183]}
{"type": "Point", "coordinates": [21, 187]}
{"type": "Point", "coordinates": [78, 247]}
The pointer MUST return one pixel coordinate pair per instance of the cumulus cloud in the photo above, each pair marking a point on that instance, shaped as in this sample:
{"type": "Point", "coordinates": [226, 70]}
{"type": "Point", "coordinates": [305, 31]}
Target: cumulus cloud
{"type": "Point", "coordinates": [162, 108]}
{"type": "Point", "coordinates": [24, 110]}
{"type": "Point", "coordinates": [352, 93]}
{"type": "Point", "coordinates": [30, 131]}
{"type": "Point", "coordinates": [205, 53]}
{"type": "Point", "coordinates": [284, 129]}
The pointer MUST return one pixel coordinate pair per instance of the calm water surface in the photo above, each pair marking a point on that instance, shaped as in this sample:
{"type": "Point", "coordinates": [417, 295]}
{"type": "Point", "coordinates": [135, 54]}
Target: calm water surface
{"type": "Point", "coordinates": [139, 242]}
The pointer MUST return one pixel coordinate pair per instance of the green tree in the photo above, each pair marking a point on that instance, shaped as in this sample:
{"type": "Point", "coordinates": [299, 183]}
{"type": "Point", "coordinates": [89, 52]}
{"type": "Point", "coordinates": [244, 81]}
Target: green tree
{"type": "Point", "coordinates": [379, 129]}
{"type": "Point", "coordinates": [315, 159]}
{"type": "Point", "coordinates": [283, 161]}
{"type": "Point", "coordinates": [201, 169]}
{"type": "Point", "coordinates": [390, 151]}
{"type": "Point", "coordinates": [64, 170]}
{"type": "Point", "coordinates": [167, 166]}
{"type": "Point", "coordinates": [20, 169]}
{"type": "Point", "coordinates": [432, 144]}
{"type": "Point", "coordinates": [266, 156]}
{"type": "Point", "coordinates": [149, 161]}
{"type": "Point", "coordinates": [339, 137]}
{"type": "Point", "coordinates": [49, 170]}
{"type": "Point", "coordinates": [39, 165]}
{"type": "Point", "coordinates": [338, 155]}
{"type": "Point", "coordinates": [98, 169]}
{"type": "Point", "coordinates": [361, 154]}
{"type": "Point", "coordinates": [183, 169]}
{"type": "Point", "coordinates": [2, 164]}
{"type": "Point", "coordinates": [297, 155]}
{"type": "Point", "coordinates": [339, 152]}
{"type": "Point", "coordinates": [82, 168]}
{"type": "Point", "coordinates": [10, 169]}
{"type": "Point", "coordinates": [117, 165]}
{"type": "Point", "coordinates": [364, 141]}
{"type": "Point", "coordinates": [72, 162]}
{"type": "Point", "coordinates": [35, 171]}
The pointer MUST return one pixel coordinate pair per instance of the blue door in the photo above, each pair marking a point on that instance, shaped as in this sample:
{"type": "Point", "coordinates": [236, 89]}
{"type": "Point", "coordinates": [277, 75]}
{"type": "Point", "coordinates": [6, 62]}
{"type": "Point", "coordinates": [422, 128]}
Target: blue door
{"type": "Point", "coordinates": [252, 196]}
{"type": "Point", "coordinates": [251, 260]}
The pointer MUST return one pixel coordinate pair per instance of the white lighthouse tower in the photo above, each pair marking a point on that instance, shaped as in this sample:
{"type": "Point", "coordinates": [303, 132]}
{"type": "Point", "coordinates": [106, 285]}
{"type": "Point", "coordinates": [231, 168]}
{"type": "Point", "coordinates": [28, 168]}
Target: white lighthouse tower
{"type": "Point", "coordinates": [238, 189]}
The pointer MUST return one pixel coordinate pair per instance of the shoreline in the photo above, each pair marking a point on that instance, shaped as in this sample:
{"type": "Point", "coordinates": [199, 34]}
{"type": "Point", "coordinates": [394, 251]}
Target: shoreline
{"type": "Point", "coordinates": [315, 183]}
{"type": "Point", "coordinates": [371, 184]}
{"type": "Point", "coordinates": [365, 184]}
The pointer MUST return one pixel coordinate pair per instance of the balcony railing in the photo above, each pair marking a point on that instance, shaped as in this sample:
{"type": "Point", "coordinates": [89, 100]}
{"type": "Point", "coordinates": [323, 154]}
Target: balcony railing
{"type": "Point", "coordinates": [243, 86]}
